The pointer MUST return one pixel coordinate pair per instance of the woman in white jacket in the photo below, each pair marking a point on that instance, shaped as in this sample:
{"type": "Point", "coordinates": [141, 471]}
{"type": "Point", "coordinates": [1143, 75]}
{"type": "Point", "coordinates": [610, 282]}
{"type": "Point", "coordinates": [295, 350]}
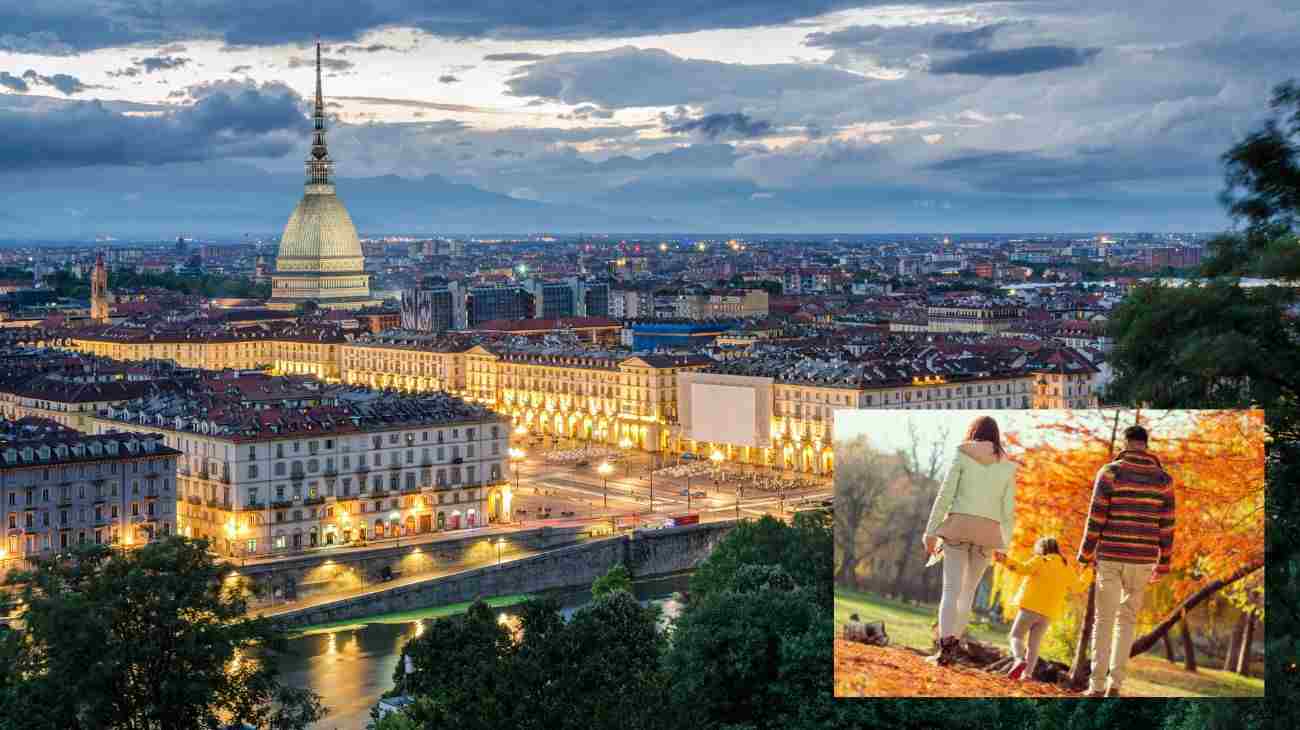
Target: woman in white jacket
{"type": "Point", "coordinates": [972, 520]}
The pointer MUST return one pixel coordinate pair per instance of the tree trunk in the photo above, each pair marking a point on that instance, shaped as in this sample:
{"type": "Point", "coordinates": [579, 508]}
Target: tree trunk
{"type": "Point", "coordinates": [1243, 663]}
{"type": "Point", "coordinates": [1189, 649]}
{"type": "Point", "coordinates": [848, 571]}
{"type": "Point", "coordinates": [1144, 643]}
{"type": "Point", "coordinates": [1234, 644]}
{"type": "Point", "coordinates": [1169, 649]}
{"type": "Point", "coordinates": [1079, 667]}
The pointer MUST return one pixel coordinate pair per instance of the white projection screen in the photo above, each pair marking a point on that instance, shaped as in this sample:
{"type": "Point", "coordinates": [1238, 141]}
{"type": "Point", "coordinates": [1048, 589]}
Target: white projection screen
{"type": "Point", "coordinates": [723, 414]}
{"type": "Point", "coordinates": [726, 409]}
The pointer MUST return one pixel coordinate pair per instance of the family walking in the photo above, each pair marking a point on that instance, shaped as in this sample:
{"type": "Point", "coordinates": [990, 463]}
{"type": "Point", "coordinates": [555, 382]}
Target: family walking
{"type": "Point", "coordinates": [1128, 541]}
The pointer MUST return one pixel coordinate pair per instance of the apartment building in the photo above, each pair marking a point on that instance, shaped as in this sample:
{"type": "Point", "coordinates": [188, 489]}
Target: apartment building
{"type": "Point", "coordinates": [260, 479]}
{"type": "Point", "coordinates": [60, 488]}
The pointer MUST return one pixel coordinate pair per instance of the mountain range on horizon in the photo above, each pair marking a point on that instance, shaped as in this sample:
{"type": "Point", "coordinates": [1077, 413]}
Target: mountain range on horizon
{"type": "Point", "coordinates": [225, 199]}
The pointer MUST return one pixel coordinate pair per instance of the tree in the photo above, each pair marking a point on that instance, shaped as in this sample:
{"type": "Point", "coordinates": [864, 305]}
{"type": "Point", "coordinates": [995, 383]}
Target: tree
{"type": "Point", "coordinates": [862, 479]}
{"type": "Point", "coordinates": [802, 548]}
{"type": "Point", "coordinates": [1258, 359]}
{"type": "Point", "coordinates": [150, 638]}
{"type": "Point", "coordinates": [753, 654]}
{"type": "Point", "coordinates": [458, 662]}
{"type": "Point", "coordinates": [616, 579]}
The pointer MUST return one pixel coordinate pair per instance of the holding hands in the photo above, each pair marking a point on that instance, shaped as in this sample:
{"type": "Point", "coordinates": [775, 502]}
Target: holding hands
{"type": "Point", "coordinates": [931, 544]}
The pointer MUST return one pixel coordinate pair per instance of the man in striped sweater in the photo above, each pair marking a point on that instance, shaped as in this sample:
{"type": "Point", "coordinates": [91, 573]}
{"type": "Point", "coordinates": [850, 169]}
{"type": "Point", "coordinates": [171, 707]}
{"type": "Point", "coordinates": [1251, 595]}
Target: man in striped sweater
{"type": "Point", "coordinates": [1130, 538]}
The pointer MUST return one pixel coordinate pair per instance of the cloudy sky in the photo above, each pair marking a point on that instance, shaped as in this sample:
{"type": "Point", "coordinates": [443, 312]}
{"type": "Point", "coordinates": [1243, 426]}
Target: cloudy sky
{"type": "Point", "coordinates": [818, 115]}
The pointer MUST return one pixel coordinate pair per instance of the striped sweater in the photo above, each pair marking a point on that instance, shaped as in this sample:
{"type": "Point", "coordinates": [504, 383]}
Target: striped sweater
{"type": "Point", "coordinates": [1132, 514]}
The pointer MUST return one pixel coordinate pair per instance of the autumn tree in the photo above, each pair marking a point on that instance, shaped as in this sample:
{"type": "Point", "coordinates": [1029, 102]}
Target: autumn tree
{"type": "Point", "coordinates": [1217, 461]}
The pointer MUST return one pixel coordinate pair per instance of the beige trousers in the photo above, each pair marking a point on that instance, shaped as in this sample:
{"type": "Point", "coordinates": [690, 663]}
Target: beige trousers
{"type": "Point", "coordinates": [1120, 589]}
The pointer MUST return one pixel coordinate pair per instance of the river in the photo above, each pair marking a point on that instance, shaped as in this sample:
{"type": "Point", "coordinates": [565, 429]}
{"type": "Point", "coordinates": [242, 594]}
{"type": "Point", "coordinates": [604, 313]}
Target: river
{"type": "Point", "coordinates": [350, 668]}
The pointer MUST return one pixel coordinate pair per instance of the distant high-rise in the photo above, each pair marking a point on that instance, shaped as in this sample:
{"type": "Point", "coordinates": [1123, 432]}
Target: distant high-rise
{"type": "Point", "coordinates": [320, 257]}
{"type": "Point", "coordinates": [99, 291]}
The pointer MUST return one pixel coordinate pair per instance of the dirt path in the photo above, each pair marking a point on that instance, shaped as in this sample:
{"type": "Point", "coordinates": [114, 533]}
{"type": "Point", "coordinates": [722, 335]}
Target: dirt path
{"type": "Point", "coordinates": [873, 671]}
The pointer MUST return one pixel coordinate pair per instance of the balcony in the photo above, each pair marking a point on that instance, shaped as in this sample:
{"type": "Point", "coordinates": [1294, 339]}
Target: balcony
{"type": "Point", "coordinates": [379, 493]}
{"type": "Point", "coordinates": [394, 467]}
{"type": "Point", "coordinates": [362, 468]}
{"type": "Point", "coordinates": [194, 500]}
{"type": "Point", "coordinates": [410, 490]}
{"type": "Point", "coordinates": [297, 476]}
{"type": "Point", "coordinates": [309, 501]}
{"type": "Point", "coordinates": [183, 469]}
{"type": "Point", "coordinates": [281, 503]}
{"type": "Point", "coordinates": [255, 505]}
{"type": "Point", "coordinates": [216, 504]}
{"type": "Point", "coordinates": [330, 471]}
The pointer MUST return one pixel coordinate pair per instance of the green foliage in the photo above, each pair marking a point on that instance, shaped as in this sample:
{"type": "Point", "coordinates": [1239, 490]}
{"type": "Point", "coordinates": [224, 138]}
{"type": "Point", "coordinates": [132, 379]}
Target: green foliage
{"type": "Point", "coordinates": [753, 653]}
{"type": "Point", "coordinates": [617, 579]}
{"type": "Point", "coordinates": [803, 550]}
{"type": "Point", "coordinates": [146, 638]}
{"type": "Point", "coordinates": [1219, 345]}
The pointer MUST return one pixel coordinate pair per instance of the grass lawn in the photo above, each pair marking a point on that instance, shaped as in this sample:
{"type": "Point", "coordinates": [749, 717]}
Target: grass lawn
{"type": "Point", "coordinates": [906, 624]}
{"type": "Point", "coordinates": [1149, 675]}
{"type": "Point", "coordinates": [402, 617]}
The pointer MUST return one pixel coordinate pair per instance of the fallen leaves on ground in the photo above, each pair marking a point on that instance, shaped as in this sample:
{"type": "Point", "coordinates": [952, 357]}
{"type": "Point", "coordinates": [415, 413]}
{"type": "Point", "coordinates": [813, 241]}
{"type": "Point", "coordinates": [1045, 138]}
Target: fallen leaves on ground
{"type": "Point", "coordinates": [875, 671]}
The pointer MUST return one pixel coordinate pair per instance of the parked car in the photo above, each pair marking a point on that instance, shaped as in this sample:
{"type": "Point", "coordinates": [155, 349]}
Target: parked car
{"type": "Point", "coordinates": [688, 456]}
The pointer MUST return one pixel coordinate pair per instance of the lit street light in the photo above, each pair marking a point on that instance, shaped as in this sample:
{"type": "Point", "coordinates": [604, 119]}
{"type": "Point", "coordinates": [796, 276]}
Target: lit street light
{"type": "Point", "coordinates": [604, 470]}
{"type": "Point", "coordinates": [500, 541]}
{"type": "Point", "coordinates": [394, 517]}
{"type": "Point", "coordinates": [517, 456]}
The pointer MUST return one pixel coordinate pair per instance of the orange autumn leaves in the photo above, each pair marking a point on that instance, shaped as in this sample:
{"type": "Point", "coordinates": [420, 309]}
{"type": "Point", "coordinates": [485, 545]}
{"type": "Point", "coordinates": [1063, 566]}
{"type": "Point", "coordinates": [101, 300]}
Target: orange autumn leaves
{"type": "Point", "coordinates": [1215, 457]}
{"type": "Point", "coordinates": [874, 671]}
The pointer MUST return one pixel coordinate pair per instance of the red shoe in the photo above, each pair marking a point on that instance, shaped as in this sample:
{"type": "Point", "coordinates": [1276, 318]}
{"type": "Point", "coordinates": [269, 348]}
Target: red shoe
{"type": "Point", "coordinates": [1016, 671]}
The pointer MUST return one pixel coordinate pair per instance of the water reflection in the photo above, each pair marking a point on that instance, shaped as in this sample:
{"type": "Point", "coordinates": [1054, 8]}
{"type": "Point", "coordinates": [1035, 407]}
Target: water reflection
{"type": "Point", "coordinates": [351, 668]}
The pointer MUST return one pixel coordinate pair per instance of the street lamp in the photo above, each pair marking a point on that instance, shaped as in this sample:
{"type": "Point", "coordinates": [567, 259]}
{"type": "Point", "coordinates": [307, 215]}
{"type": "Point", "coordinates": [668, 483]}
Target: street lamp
{"type": "Point", "coordinates": [521, 431]}
{"type": "Point", "coordinates": [626, 445]}
{"type": "Point", "coordinates": [517, 458]}
{"type": "Point", "coordinates": [500, 541]}
{"type": "Point", "coordinates": [604, 470]}
{"type": "Point", "coordinates": [395, 518]}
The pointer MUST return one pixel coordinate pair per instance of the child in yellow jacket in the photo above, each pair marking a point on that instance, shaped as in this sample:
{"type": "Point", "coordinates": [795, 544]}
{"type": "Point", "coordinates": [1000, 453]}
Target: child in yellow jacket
{"type": "Point", "coordinates": [1041, 600]}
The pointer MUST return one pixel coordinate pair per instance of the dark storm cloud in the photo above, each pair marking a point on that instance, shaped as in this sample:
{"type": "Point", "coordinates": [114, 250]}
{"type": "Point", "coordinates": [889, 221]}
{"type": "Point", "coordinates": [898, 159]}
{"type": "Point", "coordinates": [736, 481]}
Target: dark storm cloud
{"type": "Point", "coordinates": [1016, 61]}
{"type": "Point", "coordinates": [514, 57]}
{"type": "Point", "coordinates": [448, 79]}
{"type": "Point", "coordinates": [150, 64]}
{"type": "Point", "coordinates": [241, 69]}
{"type": "Point", "coordinates": [329, 64]}
{"type": "Point", "coordinates": [251, 123]}
{"type": "Point", "coordinates": [714, 126]}
{"type": "Point", "coordinates": [968, 40]}
{"type": "Point", "coordinates": [67, 85]}
{"type": "Point", "coordinates": [663, 79]}
{"type": "Point", "coordinates": [161, 63]}
{"type": "Point", "coordinates": [72, 26]}
{"type": "Point", "coordinates": [9, 81]}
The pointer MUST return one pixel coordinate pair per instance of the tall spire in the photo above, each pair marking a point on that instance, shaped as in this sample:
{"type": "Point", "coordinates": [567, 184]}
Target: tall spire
{"type": "Point", "coordinates": [319, 164]}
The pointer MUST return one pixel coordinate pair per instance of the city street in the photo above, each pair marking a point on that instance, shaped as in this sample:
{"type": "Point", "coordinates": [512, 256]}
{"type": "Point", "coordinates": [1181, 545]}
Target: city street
{"type": "Point", "coordinates": [567, 490]}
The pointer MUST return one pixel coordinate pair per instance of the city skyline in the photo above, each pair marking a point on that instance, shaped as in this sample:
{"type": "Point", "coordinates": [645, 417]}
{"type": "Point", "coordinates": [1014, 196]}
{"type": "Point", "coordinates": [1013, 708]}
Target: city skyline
{"type": "Point", "coordinates": [825, 117]}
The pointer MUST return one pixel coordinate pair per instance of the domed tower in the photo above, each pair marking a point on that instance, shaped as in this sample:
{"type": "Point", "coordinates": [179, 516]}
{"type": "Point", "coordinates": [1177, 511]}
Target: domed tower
{"type": "Point", "coordinates": [319, 258]}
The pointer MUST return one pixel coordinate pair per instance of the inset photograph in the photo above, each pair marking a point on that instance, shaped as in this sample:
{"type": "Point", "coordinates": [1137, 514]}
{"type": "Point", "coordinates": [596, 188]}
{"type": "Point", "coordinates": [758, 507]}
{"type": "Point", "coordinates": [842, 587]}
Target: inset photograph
{"type": "Point", "coordinates": [1101, 553]}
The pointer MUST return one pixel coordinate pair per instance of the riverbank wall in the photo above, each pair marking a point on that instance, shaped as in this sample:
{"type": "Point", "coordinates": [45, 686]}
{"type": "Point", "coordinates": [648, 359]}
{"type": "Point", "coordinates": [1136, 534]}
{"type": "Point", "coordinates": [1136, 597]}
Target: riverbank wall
{"type": "Point", "coordinates": [646, 553]}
